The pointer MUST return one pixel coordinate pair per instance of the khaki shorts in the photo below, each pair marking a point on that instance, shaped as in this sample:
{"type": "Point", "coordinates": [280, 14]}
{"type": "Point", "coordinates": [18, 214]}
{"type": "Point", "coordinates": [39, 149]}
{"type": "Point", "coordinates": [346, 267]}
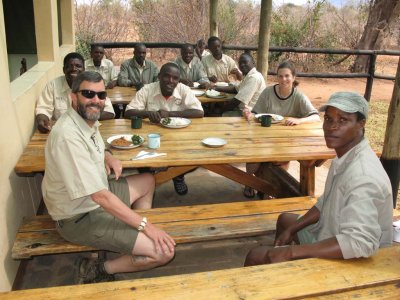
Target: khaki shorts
{"type": "Point", "coordinates": [305, 236]}
{"type": "Point", "coordinates": [99, 228]}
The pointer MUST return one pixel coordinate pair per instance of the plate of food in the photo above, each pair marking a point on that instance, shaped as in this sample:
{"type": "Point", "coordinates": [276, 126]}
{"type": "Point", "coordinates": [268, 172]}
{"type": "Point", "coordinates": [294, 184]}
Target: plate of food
{"type": "Point", "coordinates": [198, 93]}
{"type": "Point", "coordinates": [125, 141]}
{"type": "Point", "coordinates": [275, 118]}
{"type": "Point", "coordinates": [175, 122]}
{"type": "Point", "coordinates": [221, 83]}
{"type": "Point", "coordinates": [214, 142]}
{"type": "Point", "coordinates": [215, 94]}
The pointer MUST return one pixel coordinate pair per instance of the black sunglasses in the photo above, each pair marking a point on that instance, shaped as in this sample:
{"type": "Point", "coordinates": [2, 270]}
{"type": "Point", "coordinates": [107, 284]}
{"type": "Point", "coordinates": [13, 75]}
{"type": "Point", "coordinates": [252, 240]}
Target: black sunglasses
{"type": "Point", "coordinates": [90, 94]}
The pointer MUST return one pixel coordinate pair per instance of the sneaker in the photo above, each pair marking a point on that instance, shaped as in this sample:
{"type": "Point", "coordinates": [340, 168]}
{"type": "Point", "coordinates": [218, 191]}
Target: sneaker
{"type": "Point", "coordinates": [180, 185]}
{"type": "Point", "coordinates": [92, 271]}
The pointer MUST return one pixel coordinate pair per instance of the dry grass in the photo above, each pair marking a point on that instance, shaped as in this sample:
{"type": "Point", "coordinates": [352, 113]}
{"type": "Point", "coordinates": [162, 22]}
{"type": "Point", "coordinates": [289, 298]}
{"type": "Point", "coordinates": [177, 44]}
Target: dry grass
{"type": "Point", "coordinates": [376, 126]}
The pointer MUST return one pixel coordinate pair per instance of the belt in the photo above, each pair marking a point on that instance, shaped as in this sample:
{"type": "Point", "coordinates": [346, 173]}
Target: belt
{"type": "Point", "coordinates": [76, 219]}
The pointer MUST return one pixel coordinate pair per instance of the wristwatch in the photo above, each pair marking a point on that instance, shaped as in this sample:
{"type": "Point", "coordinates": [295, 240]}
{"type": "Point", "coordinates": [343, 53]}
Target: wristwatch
{"type": "Point", "coordinates": [142, 224]}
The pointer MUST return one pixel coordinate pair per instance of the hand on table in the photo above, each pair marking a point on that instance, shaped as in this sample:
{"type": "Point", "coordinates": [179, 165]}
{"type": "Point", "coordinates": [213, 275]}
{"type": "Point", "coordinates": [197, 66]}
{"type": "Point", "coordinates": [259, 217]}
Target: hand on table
{"type": "Point", "coordinates": [156, 116]}
{"type": "Point", "coordinates": [43, 123]}
{"type": "Point", "coordinates": [292, 121]}
{"type": "Point", "coordinates": [162, 240]}
{"type": "Point", "coordinates": [187, 82]}
{"type": "Point", "coordinates": [278, 254]}
{"type": "Point", "coordinates": [213, 78]}
{"type": "Point", "coordinates": [247, 114]}
{"type": "Point", "coordinates": [111, 85]}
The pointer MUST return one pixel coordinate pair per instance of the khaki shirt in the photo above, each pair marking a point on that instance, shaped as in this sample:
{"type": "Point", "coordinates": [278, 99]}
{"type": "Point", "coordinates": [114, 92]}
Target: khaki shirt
{"type": "Point", "coordinates": [106, 69]}
{"type": "Point", "coordinates": [130, 72]}
{"type": "Point", "coordinates": [56, 99]}
{"type": "Point", "coordinates": [194, 71]}
{"type": "Point", "coordinates": [250, 89]}
{"type": "Point", "coordinates": [357, 205]}
{"type": "Point", "coordinates": [220, 68]}
{"type": "Point", "coordinates": [149, 98]}
{"type": "Point", "coordinates": [297, 105]}
{"type": "Point", "coordinates": [74, 167]}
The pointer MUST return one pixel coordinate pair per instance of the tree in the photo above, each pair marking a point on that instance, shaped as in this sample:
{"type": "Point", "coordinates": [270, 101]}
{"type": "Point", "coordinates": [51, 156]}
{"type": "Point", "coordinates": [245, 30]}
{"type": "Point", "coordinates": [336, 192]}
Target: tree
{"type": "Point", "coordinates": [381, 14]}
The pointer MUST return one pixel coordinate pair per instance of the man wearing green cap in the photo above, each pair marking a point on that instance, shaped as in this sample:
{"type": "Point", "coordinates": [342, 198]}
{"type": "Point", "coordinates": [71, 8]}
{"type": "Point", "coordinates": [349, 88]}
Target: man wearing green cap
{"type": "Point", "coordinates": [353, 217]}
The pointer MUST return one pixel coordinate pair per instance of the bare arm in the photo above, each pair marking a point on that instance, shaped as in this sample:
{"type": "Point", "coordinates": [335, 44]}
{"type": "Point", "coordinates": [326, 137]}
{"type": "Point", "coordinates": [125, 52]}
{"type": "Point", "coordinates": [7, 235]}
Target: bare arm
{"type": "Point", "coordinates": [226, 89]}
{"type": "Point", "coordinates": [296, 121]}
{"type": "Point", "coordinates": [155, 116]}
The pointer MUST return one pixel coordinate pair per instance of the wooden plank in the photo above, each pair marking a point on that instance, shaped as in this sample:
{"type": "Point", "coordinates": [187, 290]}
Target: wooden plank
{"type": "Point", "coordinates": [242, 177]}
{"type": "Point", "coordinates": [172, 172]}
{"type": "Point", "coordinates": [294, 279]}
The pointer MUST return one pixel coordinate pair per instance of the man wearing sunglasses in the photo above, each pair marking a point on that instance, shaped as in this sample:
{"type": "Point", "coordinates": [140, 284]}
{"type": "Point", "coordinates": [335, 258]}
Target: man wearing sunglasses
{"type": "Point", "coordinates": [55, 98]}
{"type": "Point", "coordinates": [88, 208]}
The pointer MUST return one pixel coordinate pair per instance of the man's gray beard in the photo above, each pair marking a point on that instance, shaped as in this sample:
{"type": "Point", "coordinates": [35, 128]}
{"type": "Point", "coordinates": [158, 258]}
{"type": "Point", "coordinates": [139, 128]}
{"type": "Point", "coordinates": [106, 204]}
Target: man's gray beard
{"type": "Point", "coordinates": [88, 116]}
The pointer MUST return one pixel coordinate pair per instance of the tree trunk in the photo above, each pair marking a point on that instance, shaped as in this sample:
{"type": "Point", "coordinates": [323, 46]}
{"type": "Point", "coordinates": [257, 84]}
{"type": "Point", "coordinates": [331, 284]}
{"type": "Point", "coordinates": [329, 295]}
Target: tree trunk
{"type": "Point", "coordinates": [391, 148]}
{"type": "Point", "coordinates": [381, 14]}
{"type": "Point", "coordinates": [263, 37]}
{"type": "Point", "coordinates": [213, 17]}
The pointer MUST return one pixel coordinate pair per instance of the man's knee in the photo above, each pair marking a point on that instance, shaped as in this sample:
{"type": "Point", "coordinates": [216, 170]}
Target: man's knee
{"type": "Point", "coordinates": [163, 258]}
{"type": "Point", "coordinates": [285, 220]}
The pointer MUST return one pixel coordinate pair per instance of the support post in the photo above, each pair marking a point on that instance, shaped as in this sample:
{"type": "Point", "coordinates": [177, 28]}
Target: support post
{"type": "Point", "coordinates": [371, 74]}
{"type": "Point", "coordinates": [213, 17]}
{"type": "Point", "coordinates": [391, 148]}
{"type": "Point", "coordinates": [263, 37]}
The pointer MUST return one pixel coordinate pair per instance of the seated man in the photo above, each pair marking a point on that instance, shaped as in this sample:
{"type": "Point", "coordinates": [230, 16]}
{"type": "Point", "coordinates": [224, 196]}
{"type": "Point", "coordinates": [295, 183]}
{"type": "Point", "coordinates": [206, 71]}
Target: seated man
{"type": "Point", "coordinates": [55, 98]}
{"type": "Point", "coordinates": [138, 70]}
{"type": "Point", "coordinates": [353, 217]}
{"type": "Point", "coordinates": [89, 209]}
{"type": "Point", "coordinates": [104, 66]}
{"type": "Point", "coordinates": [201, 50]}
{"type": "Point", "coordinates": [191, 68]}
{"type": "Point", "coordinates": [217, 65]}
{"type": "Point", "coordinates": [166, 98]}
{"type": "Point", "coordinates": [247, 91]}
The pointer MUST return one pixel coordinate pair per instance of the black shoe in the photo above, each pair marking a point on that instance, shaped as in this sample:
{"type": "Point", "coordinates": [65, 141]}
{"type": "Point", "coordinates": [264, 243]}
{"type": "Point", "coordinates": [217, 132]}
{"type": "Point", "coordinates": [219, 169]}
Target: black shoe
{"type": "Point", "coordinates": [180, 185]}
{"type": "Point", "coordinates": [92, 271]}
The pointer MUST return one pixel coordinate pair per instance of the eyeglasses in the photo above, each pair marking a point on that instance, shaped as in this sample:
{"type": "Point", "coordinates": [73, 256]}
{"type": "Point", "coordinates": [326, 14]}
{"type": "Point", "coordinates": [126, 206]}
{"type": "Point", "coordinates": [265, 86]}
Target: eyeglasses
{"type": "Point", "coordinates": [90, 94]}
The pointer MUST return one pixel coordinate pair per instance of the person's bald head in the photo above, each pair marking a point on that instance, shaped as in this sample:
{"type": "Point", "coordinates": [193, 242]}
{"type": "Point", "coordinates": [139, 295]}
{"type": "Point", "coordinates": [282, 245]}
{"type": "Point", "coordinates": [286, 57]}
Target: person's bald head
{"type": "Point", "coordinates": [139, 53]}
{"type": "Point", "coordinates": [187, 53]}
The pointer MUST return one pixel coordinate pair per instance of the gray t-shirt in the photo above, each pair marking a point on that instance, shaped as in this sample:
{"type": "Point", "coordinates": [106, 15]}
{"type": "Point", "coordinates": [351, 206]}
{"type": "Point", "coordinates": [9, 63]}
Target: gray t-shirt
{"type": "Point", "coordinates": [296, 105]}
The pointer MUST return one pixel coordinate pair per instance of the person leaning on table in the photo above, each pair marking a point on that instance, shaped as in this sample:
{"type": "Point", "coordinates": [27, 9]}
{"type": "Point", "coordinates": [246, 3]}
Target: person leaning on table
{"type": "Point", "coordinates": [353, 217]}
{"type": "Point", "coordinates": [55, 98]}
{"type": "Point", "coordinates": [104, 66]}
{"type": "Point", "coordinates": [88, 208]}
{"type": "Point", "coordinates": [247, 92]}
{"type": "Point", "coordinates": [283, 99]}
{"type": "Point", "coordinates": [166, 98]}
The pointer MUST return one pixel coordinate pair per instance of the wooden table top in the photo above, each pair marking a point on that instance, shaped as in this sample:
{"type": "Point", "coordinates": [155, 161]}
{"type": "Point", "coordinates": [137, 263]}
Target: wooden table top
{"type": "Point", "coordinates": [245, 143]}
{"type": "Point", "coordinates": [124, 95]}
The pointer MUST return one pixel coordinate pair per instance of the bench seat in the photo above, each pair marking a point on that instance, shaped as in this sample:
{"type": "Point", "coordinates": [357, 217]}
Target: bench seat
{"type": "Point", "coordinates": [186, 224]}
{"type": "Point", "coordinates": [376, 277]}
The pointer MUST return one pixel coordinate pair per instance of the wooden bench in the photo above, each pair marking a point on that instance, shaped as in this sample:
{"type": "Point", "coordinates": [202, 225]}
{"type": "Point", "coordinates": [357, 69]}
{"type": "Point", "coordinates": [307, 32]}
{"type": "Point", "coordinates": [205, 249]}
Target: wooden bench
{"type": "Point", "coordinates": [374, 278]}
{"type": "Point", "coordinates": [186, 224]}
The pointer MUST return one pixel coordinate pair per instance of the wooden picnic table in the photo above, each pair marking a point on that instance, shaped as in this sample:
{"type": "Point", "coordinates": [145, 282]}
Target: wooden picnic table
{"type": "Point", "coordinates": [124, 95]}
{"type": "Point", "coordinates": [185, 151]}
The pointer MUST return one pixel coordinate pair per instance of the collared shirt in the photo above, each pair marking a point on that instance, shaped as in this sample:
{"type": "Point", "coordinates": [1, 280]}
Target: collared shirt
{"type": "Point", "coordinates": [193, 71]}
{"type": "Point", "coordinates": [75, 166]}
{"type": "Point", "coordinates": [250, 88]}
{"type": "Point", "coordinates": [220, 68]}
{"type": "Point", "coordinates": [295, 105]}
{"type": "Point", "coordinates": [56, 99]}
{"type": "Point", "coordinates": [356, 206]}
{"type": "Point", "coordinates": [149, 98]}
{"type": "Point", "coordinates": [106, 69]}
{"type": "Point", "coordinates": [130, 72]}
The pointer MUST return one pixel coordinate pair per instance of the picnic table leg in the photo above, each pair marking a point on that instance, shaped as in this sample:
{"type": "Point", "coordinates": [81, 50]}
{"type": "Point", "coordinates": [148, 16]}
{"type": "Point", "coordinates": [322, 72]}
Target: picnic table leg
{"type": "Point", "coordinates": [307, 176]}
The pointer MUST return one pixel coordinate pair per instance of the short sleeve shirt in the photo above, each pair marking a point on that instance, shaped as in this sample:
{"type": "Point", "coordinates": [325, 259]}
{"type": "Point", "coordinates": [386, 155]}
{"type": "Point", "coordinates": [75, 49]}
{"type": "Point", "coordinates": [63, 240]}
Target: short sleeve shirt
{"type": "Point", "coordinates": [250, 88]}
{"type": "Point", "coordinates": [194, 71]}
{"type": "Point", "coordinates": [75, 166]}
{"type": "Point", "coordinates": [297, 105]}
{"type": "Point", "coordinates": [220, 68]}
{"type": "Point", "coordinates": [106, 69]}
{"type": "Point", "coordinates": [149, 98]}
{"type": "Point", "coordinates": [56, 99]}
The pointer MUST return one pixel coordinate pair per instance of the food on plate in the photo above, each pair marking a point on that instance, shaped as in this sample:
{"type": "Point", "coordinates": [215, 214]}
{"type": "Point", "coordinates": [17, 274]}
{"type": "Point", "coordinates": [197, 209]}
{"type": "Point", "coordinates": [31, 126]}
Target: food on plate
{"type": "Point", "coordinates": [136, 139]}
{"type": "Point", "coordinates": [121, 142]}
{"type": "Point", "coordinates": [213, 93]}
{"type": "Point", "coordinates": [173, 121]}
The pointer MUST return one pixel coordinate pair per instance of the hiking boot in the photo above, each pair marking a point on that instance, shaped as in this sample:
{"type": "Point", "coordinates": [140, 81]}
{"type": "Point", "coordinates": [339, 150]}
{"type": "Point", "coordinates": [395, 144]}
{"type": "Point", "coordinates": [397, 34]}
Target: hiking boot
{"type": "Point", "coordinates": [92, 271]}
{"type": "Point", "coordinates": [180, 185]}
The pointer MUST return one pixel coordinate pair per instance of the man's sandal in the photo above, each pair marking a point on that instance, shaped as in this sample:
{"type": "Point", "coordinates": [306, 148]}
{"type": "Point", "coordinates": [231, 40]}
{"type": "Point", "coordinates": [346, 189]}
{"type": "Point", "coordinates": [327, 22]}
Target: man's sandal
{"type": "Point", "coordinates": [248, 192]}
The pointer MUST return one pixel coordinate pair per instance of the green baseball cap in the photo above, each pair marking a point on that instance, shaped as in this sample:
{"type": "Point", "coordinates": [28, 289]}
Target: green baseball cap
{"type": "Point", "coordinates": [348, 102]}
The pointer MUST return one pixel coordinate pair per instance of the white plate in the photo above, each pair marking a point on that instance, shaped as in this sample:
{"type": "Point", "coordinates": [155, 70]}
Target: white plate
{"type": "Point", "coordinates": [220, 83]}
{"type": "Point", "coordinates": [214, 142]}
{"type": "Point", "coordinates": [214, 94]}
{"type": "Point", "coordinates": [198, 93]}
{"type": "Point", "coordinates": [125, 136]}
{"type": "Point", "coordinates": [195, 85]}
{"type": "Point", "coordinates": [176, 122]}
{"type": "Point", "coordinates": [275, 118]}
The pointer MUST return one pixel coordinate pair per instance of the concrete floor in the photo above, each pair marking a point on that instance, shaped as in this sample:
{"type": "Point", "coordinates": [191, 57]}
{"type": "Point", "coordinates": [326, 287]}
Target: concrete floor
{"type": "Point", "coordinates": [204, 187]}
